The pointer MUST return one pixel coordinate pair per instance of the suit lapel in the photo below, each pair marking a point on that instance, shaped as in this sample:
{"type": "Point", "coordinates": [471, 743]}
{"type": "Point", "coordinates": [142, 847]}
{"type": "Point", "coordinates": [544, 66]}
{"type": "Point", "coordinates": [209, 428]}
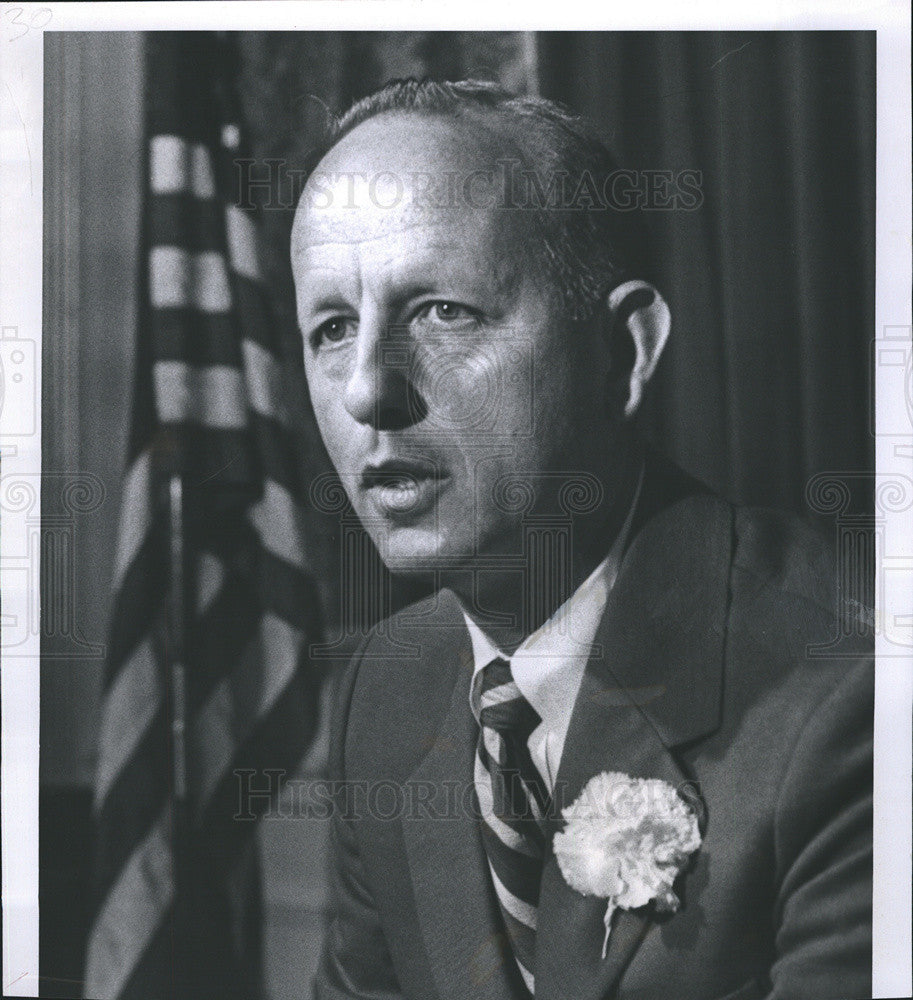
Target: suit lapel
{"type": "Point", "coordinates": [653, 682]}
{"type": "Point", "coordinates": [462, 930]}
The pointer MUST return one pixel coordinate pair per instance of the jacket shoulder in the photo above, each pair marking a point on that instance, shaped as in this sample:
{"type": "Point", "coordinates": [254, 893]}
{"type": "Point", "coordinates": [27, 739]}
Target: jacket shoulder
{"type": "Point", "coordinates": [399, 684]}
{"type": "Point", "coordinates": [793, 637]}
{"type": "Point", "coordinates": [784, 553]}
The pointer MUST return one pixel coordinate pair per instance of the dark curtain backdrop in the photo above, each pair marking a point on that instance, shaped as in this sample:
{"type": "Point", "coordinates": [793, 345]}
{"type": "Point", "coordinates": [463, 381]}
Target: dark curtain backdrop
{"type": "Point", "coordinates": [766, 377]}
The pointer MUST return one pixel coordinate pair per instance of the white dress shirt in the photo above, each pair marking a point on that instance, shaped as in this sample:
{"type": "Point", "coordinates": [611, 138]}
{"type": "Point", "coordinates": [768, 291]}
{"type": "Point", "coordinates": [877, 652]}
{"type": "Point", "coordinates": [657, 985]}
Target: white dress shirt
{"type": "Point", "coordinates": [548, 665]}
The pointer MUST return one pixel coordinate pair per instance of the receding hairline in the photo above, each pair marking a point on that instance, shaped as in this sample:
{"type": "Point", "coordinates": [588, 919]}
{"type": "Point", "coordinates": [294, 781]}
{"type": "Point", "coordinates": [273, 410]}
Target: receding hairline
{"type": "Point", "coordinates": [491, 147]}
{"type": "Point", "coordinates": [493, 144]}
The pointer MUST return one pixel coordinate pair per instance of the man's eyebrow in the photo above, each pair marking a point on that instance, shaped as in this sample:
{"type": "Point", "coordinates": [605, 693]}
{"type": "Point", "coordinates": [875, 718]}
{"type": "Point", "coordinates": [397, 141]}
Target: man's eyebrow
{"type": "Point", "coordinates": [332, 302]}
{"type": "Point", "coordinates": [326, 303]}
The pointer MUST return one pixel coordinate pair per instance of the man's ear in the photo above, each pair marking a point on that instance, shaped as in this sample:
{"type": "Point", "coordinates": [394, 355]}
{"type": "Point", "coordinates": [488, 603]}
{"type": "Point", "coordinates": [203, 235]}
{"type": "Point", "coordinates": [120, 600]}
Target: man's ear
{"type": "Point", "coordinates": [639, 316]}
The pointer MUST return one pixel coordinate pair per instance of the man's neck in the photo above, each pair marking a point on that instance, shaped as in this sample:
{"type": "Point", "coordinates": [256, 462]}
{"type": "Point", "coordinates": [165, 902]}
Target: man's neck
{"type": "Point", "coordinates": [561, 552]}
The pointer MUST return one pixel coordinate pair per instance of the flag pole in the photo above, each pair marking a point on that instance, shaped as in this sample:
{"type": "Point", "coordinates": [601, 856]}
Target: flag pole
{"type": "Point", "coordinates": [177, 701]}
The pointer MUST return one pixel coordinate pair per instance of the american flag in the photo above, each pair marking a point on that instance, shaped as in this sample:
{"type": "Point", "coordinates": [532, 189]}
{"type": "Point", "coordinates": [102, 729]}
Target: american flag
{"type": "Point", "coordinates": [175, 914]}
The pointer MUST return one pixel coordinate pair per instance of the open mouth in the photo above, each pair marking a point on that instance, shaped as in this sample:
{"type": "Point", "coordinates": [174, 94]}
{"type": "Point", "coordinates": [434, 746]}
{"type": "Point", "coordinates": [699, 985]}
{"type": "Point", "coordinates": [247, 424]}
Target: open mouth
{"type": "Point", "coordinates": [402, 486]}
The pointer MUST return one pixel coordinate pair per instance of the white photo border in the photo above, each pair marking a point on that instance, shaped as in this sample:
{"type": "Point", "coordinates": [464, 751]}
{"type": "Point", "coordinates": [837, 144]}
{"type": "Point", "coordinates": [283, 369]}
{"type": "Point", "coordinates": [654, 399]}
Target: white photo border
{"type": "Point", "coordinates": [21, 220]}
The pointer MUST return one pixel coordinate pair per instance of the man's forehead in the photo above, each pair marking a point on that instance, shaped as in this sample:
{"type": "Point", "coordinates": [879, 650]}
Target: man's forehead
{"type": "Point", "coordinates": [363, 222]}
{"type": "Point", "coordinates": [397, 173]}
{"type": "Point", "coordinates": [411, 252]}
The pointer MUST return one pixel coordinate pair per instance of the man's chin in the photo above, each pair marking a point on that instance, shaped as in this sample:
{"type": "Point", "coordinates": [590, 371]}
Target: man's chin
{"type": "Point", "coordinates": [418, 551]}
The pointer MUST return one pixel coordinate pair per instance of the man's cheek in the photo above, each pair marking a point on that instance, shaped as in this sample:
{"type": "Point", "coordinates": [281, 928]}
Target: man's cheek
{"type": "Point", "coordinates": [326, 404]}
{"type": "Point", "coordinates": [337, 441]}
{"type": "Point", "coordinates": [463, 388]}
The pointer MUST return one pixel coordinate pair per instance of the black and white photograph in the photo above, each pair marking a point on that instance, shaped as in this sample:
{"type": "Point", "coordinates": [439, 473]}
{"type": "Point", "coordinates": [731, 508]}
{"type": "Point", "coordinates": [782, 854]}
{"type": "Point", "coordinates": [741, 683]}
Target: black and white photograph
{"type": "Point", "coordinates": [456, 491]}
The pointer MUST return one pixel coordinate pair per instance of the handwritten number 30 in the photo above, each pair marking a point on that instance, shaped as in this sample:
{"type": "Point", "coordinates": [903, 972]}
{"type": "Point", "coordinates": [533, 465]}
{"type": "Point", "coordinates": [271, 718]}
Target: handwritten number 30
{"type": "Point", "coordinates": [37, 19]}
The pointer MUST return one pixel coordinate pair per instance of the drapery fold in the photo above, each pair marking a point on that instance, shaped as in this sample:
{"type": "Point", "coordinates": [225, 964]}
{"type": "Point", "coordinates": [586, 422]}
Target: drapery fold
{"type": "Point", "coordinates": [766, 381]}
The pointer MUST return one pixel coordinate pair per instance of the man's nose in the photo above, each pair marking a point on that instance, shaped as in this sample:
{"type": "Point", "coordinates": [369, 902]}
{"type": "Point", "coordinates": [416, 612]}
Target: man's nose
{"type": "Point", "coordinates": [381, 391]}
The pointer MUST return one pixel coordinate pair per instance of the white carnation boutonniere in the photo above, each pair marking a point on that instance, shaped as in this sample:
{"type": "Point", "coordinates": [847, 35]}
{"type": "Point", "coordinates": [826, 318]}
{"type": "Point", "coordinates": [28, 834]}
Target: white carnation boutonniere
{"type": "Point", "coordinates": [626, 841]}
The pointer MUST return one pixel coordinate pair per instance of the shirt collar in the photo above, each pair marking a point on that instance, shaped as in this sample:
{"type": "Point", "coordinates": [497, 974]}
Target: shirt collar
{"type": "Point", "coordinates": [549, 664]}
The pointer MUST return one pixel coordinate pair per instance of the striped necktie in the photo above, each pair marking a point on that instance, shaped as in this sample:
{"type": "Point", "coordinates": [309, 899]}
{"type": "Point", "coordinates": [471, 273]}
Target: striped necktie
{"type": "Point", "coordinates": [513, 802]}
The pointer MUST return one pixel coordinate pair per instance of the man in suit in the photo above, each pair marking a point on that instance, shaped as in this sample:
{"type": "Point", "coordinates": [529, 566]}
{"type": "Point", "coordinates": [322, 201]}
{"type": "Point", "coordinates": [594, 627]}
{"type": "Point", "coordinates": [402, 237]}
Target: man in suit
{"type": "Point", "coordinates": [478, 335]}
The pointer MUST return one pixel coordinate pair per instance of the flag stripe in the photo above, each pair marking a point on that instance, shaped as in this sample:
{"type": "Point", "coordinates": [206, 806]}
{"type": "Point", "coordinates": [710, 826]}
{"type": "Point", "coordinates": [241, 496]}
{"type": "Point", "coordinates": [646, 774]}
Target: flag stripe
{"type": "Point", "coordinates": [177, 166]}
{"type": "Point", "coordinates": [212, 740]}
{"type": "Point", "coordinates": [131, 914]}
{"type": "Point", "coordinates": [213, 396]}
{"type": "Point", "coordinates": [136, 603]}
{"type": "Point", "coordinates": [145, 979]}
{"type": "Point", "coordinates": [242, 243]}
{"type": "Point", "coordinates": [264, 382]}
{"type": "Point", "coordinates": [251, 302]}
{"type": "Point", "coordinates": [281, 647]}
{"type": "Point", "coordinates": [272, 517]}
{"type": "Point", "coordinates": [136, 515]}
{"type": "Point", "coordinates": [218, 636]}
{"type": "Point", "coordinates": [198, 225]}
{"type": "Point", "coordinates": [274, 742]}
{"type": "Point", "coordinates": [206, 227]}
{"type": "Point", "coordinates": [210, 580]}
{"type": "Point", "coordinates": [184, 334]}
{"type": "Point", "coordinates": [179, 278]}
{"type": "Point", "coordinates": [134, 801]}
{"type": "Point", "coordinates": [276, 449]}
{"type": "Point", "coordinates": [294, 597]}
{"type": "Point", "coordinates": [128, 710]}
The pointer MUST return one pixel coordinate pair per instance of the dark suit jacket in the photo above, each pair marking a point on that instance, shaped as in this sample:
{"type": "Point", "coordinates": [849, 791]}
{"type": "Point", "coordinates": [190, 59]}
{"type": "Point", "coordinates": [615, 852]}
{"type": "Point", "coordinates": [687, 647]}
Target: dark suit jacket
{"type": "Point", "coordinates": [711, 671]}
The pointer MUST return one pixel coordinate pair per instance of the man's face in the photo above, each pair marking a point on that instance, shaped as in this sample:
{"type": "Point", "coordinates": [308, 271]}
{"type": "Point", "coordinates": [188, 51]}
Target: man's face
{"type": "Point", "coordinates": [440, 367]}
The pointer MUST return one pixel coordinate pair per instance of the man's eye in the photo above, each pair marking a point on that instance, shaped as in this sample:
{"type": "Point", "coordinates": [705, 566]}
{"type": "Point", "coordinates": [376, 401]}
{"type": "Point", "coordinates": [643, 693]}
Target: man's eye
{"type": "Point", "coordinates": [332, 331]}
{"type": "Point", "coordinates": [448, 313]}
